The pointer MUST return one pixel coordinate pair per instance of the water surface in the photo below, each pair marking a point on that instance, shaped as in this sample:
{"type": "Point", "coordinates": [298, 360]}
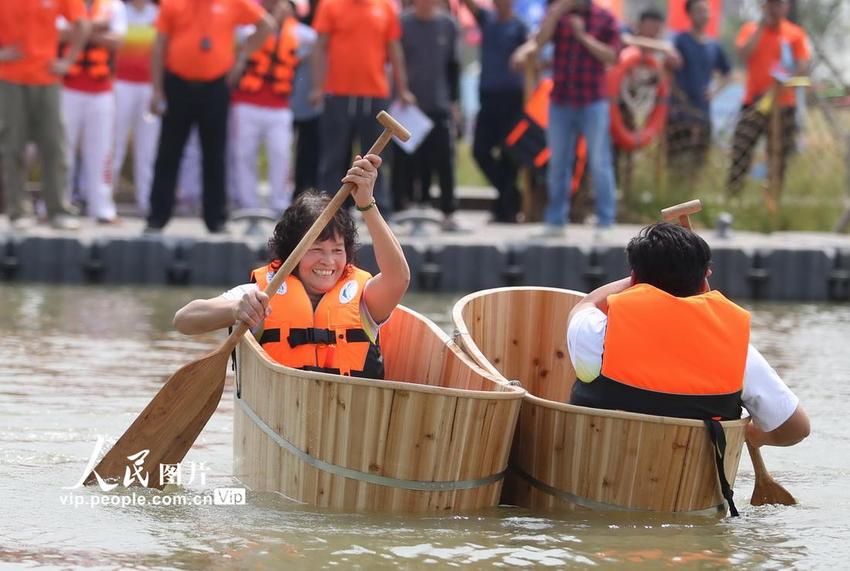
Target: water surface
{"type": "Point", "coordinates": [78, 362]}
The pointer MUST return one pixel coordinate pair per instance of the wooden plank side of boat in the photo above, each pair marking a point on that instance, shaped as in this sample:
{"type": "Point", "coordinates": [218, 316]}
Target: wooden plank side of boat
{"type": "Point", "coordinates": [437, 437]}
{"type": "Point", "coordinates": [578, 457]}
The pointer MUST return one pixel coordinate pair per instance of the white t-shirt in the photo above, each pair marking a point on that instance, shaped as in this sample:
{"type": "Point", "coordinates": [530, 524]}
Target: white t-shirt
{"type": "Point", "coordinates": [369, 325]}
{"type": "Point", "coordinates": [765, 396]}
{"type": "Point", "coordinates": [146, 17]}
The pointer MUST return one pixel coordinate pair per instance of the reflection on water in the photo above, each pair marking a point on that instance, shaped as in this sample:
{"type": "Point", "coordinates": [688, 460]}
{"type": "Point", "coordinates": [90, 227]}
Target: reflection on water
{"type": "Point", "coordinates": [80, 362]}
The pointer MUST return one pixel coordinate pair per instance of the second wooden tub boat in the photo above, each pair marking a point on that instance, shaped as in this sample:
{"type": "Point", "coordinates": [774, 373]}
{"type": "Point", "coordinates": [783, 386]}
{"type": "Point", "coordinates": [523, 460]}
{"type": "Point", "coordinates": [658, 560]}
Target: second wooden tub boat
{"type": "Point", "coordinates": [434, 438]}
{"type": "Point", "coordinates": [577, 457]}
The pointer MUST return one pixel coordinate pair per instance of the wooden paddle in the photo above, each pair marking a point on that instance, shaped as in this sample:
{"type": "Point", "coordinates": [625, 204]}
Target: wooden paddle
{"type": "Point", "coordinates": [171, 422]}
{"type": "Point", "coordinates": [766, 489]}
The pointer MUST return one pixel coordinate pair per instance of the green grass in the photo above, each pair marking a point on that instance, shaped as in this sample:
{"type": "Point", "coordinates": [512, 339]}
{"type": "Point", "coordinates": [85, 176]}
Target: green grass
{"type": "Point", "coordinates": [812, 197]}
{"type": "Point", "coordinates": [468, 173]}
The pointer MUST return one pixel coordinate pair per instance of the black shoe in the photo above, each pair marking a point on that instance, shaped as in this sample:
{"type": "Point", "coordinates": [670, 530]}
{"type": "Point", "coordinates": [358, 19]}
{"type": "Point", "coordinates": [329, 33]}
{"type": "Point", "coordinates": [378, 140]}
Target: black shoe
{"type": "Point", "coordinates": [152, 230]}
{"type": "Point", "coordinates": [220, 229]}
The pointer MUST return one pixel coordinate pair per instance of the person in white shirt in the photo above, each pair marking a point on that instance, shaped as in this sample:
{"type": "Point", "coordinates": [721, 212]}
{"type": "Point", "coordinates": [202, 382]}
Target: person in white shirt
{"type": "Point", "coordinates": [660, 342]}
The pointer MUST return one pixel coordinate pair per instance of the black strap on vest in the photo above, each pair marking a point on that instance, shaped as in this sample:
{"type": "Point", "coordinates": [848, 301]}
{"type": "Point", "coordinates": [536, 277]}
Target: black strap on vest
{"type": "Point", "coordinates": [314, 336]}
{"type": "Point", "coordinates": [718, 441]}
{"type": "Point", "coordinates": [310, 335]}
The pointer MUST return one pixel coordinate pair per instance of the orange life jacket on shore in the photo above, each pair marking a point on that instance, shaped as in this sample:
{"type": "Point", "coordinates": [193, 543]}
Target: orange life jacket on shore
{"type": "Point", "coordinates": [93, 60]}
{"type": "Point", "coordinates": [671, 356]}
{"type": "Point", "coordinates": [274, 63]}
{"type": "Point", "coordinates": [329, 339]}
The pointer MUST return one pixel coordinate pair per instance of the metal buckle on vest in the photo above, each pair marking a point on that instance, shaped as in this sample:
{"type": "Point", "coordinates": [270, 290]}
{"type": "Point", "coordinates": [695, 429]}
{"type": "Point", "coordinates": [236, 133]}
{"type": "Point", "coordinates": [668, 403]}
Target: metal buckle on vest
{"type": "Point", "coordinates": [311, 335]}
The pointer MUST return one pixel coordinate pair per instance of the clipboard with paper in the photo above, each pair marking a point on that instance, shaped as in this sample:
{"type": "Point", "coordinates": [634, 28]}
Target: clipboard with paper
{"type": "Point", "coordinates": [417, 123]}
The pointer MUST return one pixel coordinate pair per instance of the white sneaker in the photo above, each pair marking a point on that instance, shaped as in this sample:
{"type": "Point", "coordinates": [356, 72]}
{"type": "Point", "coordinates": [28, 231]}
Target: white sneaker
{"type": "Point", "coordinates": [551, 231]}
{"type": "Point", "coordinates": [451, 225]}
{"type": "Point", "coordinates": [603, 234]}
{"type": "Point", "coordinates": [22, 224]}
{"type": "Point", "coordinates": [63, 222]}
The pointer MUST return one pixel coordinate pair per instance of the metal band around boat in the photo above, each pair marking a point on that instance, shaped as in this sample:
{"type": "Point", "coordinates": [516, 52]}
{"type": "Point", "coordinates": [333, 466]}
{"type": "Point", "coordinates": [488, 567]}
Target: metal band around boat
{"type": "Point", "coordinates": [584, 502]}
{"type": "Point", "coordinates": [419, 485]}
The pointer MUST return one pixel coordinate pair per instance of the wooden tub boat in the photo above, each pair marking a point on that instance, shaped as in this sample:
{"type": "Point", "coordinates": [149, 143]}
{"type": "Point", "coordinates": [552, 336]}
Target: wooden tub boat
{"type": "Point", "coordinates": [577, 457]}
{"type": "Point", "coordinates": [435, 438]}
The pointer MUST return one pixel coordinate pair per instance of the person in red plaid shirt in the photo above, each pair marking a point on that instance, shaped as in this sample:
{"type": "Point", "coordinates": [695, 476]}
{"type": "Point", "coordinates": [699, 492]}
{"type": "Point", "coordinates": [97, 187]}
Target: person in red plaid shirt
{"type": "Point", "coordinates": [586, 38]}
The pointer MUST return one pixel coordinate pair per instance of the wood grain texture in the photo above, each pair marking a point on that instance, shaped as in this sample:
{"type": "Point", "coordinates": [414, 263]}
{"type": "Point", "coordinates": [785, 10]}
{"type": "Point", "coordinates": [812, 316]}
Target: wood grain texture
{"type": "Point", "coordinates": [164, 428]}
{"type": "Point", "coordinates": [438, 417]}
{"type": "Point", "coordinates": [619, 459]}
{"type": "Point", "coordinates": [170, 423]}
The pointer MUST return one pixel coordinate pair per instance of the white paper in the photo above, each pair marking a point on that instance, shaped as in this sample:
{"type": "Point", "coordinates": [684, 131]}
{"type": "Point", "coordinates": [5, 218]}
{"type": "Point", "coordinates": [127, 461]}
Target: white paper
{"type": "Point", "coordinates": [415, 121]}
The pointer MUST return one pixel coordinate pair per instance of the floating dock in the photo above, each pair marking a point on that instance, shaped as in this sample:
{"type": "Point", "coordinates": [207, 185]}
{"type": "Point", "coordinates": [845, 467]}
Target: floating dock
{"type": "Point", "coordinates": [788, 266]}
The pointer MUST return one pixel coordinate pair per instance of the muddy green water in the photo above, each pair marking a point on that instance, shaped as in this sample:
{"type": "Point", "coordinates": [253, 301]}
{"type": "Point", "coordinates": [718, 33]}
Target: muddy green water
{"type": "Point", "coordinates": [78, 362]}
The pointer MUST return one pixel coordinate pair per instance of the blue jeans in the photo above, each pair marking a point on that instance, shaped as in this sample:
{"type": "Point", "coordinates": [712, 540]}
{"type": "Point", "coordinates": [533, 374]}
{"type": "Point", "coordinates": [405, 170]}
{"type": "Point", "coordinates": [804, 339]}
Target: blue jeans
{"type": "Point", "coordinates": [566, 123]}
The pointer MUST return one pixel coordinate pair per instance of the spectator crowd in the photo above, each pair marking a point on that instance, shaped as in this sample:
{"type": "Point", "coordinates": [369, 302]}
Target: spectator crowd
{"type": "Point", "coordinates": [200, 86]}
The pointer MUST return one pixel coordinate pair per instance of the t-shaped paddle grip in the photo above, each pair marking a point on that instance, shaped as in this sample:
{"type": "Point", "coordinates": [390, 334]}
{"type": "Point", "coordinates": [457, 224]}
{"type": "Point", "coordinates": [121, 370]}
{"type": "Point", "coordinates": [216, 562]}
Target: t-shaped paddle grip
{"type": "Point", "coordinates": [682, 211]}
{"type": "Point", "coordinates": [391, 124]}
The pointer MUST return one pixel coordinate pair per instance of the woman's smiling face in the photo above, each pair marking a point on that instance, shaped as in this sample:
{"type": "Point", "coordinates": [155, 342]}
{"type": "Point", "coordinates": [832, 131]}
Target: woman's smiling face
{"type": "Point", "coordinates": [323, 265]}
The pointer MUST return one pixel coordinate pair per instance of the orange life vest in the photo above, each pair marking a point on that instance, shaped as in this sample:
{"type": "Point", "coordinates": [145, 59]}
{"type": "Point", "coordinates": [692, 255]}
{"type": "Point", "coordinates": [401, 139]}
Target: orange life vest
{"type": "Point", "coordinates": [330, 339]}
{"type": "Point", "coordinates": [93, 60]}
{"type": "Point", "coordinates": [671, 356]}
{"type": "Point", "coordinates": [274, 63]}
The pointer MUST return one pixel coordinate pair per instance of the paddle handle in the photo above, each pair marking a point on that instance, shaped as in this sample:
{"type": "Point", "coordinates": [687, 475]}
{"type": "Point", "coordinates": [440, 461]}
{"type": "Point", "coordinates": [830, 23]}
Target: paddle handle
{"type": "Point", "coordinates": [648, 43]}
{"type": "Point", "coordinates": [758, 463]}
{"type": "Point", "coordinates": [391, 128]}
{"type": "Point", "coordinates": [682, 212]}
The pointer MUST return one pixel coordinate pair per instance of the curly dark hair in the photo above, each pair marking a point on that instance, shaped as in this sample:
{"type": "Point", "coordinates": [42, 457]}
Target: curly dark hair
{"type": "Point", "coordinates": [670, 257]}
{"type": "Point", "coordinates": [297, 219]}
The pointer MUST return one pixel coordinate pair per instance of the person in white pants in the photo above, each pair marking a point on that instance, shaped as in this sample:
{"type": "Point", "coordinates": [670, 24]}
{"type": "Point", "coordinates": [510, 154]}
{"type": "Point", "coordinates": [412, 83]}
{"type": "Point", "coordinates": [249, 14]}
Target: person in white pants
{"type": "Point", "coordinates": [260, 112]}
{"type": "Point", "coordinates": [88, 106]}
{"type": "Point", "coordinates": [133, 93]}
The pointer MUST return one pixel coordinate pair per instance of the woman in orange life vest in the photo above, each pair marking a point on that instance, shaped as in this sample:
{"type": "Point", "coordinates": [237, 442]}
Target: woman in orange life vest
{"type": "Point", "coordinates": [660, 342]}
{"type": "Point", "coordinates": [327, 314]}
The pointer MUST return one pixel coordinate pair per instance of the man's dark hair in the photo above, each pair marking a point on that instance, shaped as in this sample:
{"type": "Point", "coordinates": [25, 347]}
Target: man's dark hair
{"type": "Point", "coordinates": [669, 257]}
{"type": "Point", "coordinates": [297, 219]}
{"type": "Point", "coordinates": [689, 4]}
{"type": "Point", "coordinates": [653, 14]}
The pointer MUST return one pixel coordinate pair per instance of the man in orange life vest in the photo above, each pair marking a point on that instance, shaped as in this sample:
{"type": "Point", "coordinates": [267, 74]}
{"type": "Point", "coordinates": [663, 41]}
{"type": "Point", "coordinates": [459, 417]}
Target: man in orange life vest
{"type": "Point", "coordinates": [659, 342]}
{"type": "Point", "coordinates": [327, 314]}
{"type": "Point", "coordinates": [260, 111]}
{"type": "Point", "coordinates": [88, 106]}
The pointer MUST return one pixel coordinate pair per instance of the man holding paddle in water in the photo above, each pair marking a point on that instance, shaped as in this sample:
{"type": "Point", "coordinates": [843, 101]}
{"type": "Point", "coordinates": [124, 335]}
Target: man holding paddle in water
{"type": "Point", "coordinates": [660, 342]}
{"type": "Point", "coordinates": [327, 314]}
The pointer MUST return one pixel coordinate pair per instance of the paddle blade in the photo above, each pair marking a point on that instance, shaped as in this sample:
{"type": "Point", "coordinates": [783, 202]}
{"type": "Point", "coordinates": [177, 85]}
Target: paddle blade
{"type": "Point", "coordinates": [169, 425]}
{"type": "Point", "coordinates": [768, 491]}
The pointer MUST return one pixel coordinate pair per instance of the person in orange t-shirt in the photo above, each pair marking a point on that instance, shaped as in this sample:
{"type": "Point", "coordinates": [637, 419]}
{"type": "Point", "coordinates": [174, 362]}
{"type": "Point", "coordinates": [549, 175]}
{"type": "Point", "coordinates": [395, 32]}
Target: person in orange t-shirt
{"type": "Point", "coordinates": [770, 48]}
{"type": "Point", "coordinates": [193, 53]}
{"type": "Point", "coordinates": [356, 39]}
{"type": "Point", "coordinates": [30, 100]}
